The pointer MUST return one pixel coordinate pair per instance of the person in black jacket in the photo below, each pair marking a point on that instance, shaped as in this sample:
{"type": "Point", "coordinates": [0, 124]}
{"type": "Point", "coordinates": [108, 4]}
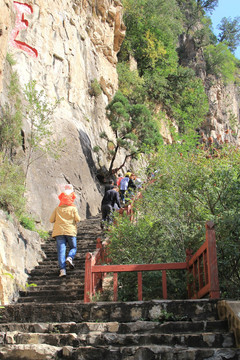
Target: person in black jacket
{"type": "Point", "coordinates": [109, 186]}
{"type": "Point", "coordinates": [110, 202]}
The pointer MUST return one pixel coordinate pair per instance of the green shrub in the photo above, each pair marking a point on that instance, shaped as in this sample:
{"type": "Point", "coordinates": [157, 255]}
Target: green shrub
{"type": "Point", "coordinates": [10, 59]}
{"type": "Point", "coordinates": [27, 222]}
{"type": "Point", "coordinates": [43, 234]}
{"type": "Point", "coordinates": [189, 190]}
{"type": "Point", "coordinates": [11, 187]}
{"type": "Point", "coordinates": [95, 89]}
{"type": "Point", "coordinates": [220, 62]}
{"type": "Point", "coordinates": [130, 83]}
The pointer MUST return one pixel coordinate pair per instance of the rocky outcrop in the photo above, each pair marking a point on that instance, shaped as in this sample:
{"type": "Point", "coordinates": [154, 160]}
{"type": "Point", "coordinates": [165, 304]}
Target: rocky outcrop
{"type": "Point", "coordinates": [223, 119]}
{"type": "Point", "coordinates": [6, 24]}
{"type": "Point", "coordinates": [20, 252]}
{"type": "Point", "coordinates": [65, 46]}
{"type": "Point", "coordinates": [230, 312]}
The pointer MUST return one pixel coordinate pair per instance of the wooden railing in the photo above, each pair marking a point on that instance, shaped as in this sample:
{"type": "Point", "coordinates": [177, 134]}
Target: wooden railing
{"type": "Point", "coordinates": [201, 267]}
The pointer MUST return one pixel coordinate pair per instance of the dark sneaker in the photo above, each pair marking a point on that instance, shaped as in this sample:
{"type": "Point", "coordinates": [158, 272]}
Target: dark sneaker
{"type": "Point", "coordinates": [69, 263]}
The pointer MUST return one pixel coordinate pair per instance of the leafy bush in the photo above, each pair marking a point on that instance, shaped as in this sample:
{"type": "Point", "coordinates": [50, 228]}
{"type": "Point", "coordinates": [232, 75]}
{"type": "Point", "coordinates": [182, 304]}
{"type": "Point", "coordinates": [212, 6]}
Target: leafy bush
{"type": "Point", "coordinates": [131, 84]}
{"type": "Point", "coordinates": [11, 186]}
{"type": "Point", "coordinates": [95, 89]}
{"type": "Point", "coordinates": [220, 62]}
{"type": "Point", "coordinates": [27, 222]}
{"type": "Point", "coordinates": [152, 31]}
{"type": "Point", "coordinates": [190, 189]}
{"type": "Point", "coordinates": [11, 119]}
{"type": "Point", "coordinates": [187, 99]}
{"type": "Point", "coordinates": [10, 59]}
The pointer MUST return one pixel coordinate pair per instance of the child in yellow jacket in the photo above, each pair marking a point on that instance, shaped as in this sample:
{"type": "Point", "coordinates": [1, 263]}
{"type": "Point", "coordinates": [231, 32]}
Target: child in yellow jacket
{"type": "Point", "coordinates": [65, 217]}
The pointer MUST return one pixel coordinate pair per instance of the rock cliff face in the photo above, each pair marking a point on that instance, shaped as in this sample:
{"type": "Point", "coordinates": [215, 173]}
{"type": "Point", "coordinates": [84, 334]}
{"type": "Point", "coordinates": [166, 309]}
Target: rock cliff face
{"type": "Point", "coordinates": [65, 46]}
{"type": "Point", "coordinates": [14, 269]}
{"type": "Point", "coordinates": [223, 100]}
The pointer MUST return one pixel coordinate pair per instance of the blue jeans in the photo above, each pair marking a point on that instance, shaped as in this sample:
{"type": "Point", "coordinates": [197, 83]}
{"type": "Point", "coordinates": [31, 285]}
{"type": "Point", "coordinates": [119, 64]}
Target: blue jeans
{"type": "Point", "coordinates": [62, 241]}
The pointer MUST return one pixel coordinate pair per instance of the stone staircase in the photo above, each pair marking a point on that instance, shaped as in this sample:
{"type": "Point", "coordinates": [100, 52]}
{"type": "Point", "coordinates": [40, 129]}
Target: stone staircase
{"type": "Point", "coordinates": [51, 321]}
{"type": "Point", "coordinates": [51, 288]}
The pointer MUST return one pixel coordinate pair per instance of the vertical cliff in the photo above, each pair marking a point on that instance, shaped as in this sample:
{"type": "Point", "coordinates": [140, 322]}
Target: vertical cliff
{"type": "Point", "coordinates": [64, 46]}
{"type": "Point", "coordinates": [223, 120]}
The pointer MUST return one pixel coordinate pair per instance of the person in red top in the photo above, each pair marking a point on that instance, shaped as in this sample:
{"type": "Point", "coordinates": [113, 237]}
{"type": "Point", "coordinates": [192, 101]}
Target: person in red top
{"type": "Point", "coordinates": [120, 177]}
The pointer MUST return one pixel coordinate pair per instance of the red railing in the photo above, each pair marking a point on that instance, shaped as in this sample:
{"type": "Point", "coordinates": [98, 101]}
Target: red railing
{"type": "Point", "coordinates": [201, 267]}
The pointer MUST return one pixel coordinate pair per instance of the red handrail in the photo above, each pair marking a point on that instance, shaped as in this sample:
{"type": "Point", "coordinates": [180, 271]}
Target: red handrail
{"type": "Point", "coordinates": [93, 282]}
{"type": "Point", "coordinates": [202, 266]}
{"type": "Point", "coordinates": [203, 269]}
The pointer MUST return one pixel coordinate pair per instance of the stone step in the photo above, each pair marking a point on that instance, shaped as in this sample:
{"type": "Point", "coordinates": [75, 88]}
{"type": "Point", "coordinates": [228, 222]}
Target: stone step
{"type": "Point", "coordinates": [30, 352]}
{"type": "Point", "coordinates": [50, 264]}
{"type": "Point", "coordinates": [52, 272]}
{"type": "Point", "coordinates": [157, 352]}
{"type": "Point", "coordinates": [204, 340]}
{"type": "Point", "coordinates": [81, 250]}
{"type": "Point", "coordinates": [139, 327]}
{"type": "Point", "coordinates": [51, 251]}
{"type": "Point", "coordinates": [52, 287]}
{"type": "Point", "coordinates": [51, 292]}
{"type": "Point", "coordinates": [193, 310]}
{"type": "Point", "coordinates": [80, 255]}
{"type": "Point", "coordinates": [51, 299]}
{"type": "Point", "coordinates": [69, 280]}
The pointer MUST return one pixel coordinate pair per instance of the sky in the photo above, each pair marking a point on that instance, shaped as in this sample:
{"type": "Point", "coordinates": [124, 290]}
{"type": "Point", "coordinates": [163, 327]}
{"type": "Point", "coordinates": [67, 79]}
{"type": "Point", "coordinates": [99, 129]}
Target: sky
{"type": "Point", "coordinates": [225, 8]}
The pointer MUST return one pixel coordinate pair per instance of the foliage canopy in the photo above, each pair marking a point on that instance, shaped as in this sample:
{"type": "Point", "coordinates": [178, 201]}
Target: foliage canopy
{"type": "Point", "coordinates": [189, 189]}
{"type": "Point", "coordinates": [134, 128]}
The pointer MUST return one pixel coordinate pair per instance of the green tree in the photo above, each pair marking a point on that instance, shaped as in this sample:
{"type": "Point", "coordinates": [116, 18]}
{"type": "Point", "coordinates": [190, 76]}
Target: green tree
{"type": "Point", "coordinates": [131, 84]}
{"type": "Point", "coordinates": [220, 62]}
{"type": "Point", "coordinates": [11, 119]}
{"type": "Point", "coordinates": [11, 186]}
{"type": "Point", "coordinates": [189, 189]}
{"type": "Point", "coordinates": [152, 32]}
{"type": "Point", "coordinates": [230, 32]}
{"type": "Point", "coordinates": [207, 5]}
{"type": "Point", "coordinates": [40, 139]}
{"type": "Point", "coordinates": [134, 128]}
{"type": "Point", "coordinates": [189, 103]}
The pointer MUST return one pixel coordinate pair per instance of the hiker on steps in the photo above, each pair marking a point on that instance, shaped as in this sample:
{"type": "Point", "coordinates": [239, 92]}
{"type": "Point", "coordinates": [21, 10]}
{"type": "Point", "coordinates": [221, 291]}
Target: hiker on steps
{"type": "Point", "coordinates": [65, 217]}
{"type": "Point", "coordinates": [110, 203]}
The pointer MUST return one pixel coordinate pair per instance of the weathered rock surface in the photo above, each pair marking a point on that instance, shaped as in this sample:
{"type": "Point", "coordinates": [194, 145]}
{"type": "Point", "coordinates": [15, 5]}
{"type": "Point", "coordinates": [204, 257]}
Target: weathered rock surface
{"type": "Point", "coordinates": [20, 252]}
{"type": "Point", "coordinates": [64, 46]}
{"type": "Point", "coordinates": [223, 99]}
{"type": "Point", "coordinates": [6, 24]}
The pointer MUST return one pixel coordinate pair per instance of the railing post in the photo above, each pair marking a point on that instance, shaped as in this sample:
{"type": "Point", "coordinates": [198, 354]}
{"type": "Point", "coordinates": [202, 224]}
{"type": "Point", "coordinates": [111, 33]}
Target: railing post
{"type": "Point", "coordinates": [164, 284]}
{"type": "Point", "coordinates": [189, 277]}
{"type": "Point", "coordinates": [99, 243]}
{"type": "Point", "coordinates": [88, 278]}
{"type": "Point", "coordinates": [98, 278]}
{"type": "Point", "coordinates": [115, 286]}
{"type": "Point", "coordinates": [139, 285]}
{"type": "Point", "coordinates": [212, 261]}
